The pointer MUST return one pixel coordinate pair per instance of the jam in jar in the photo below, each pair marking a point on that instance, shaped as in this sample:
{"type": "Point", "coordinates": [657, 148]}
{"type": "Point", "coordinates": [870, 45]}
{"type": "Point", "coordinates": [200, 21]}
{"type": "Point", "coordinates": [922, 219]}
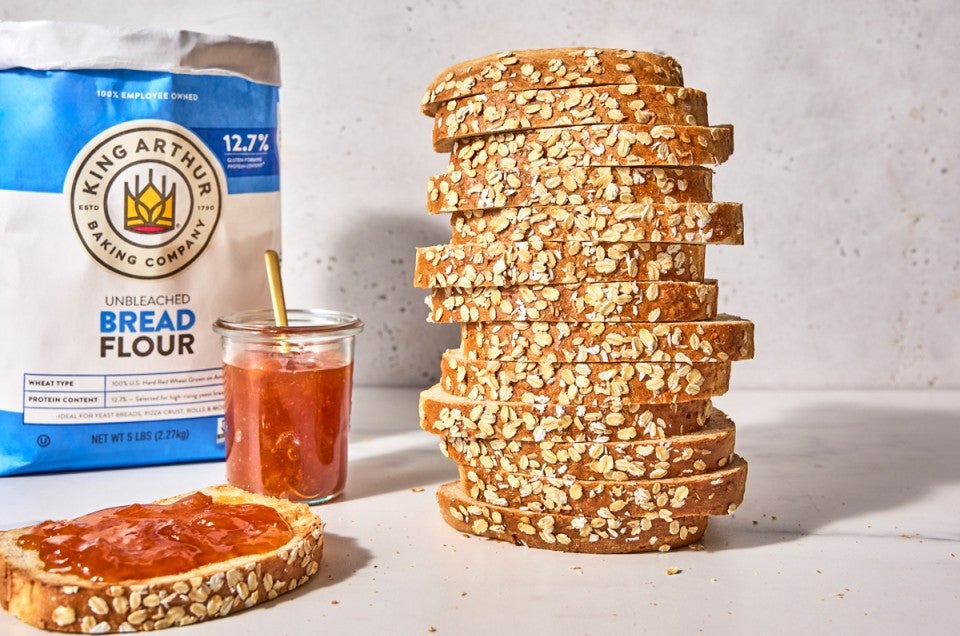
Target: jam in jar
{"type": "Point", "coordinates": [287, 393]}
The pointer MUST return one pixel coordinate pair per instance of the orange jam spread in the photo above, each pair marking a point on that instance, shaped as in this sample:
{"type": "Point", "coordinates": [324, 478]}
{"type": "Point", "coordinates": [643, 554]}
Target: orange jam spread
{"type": "Point", "coordinates": [287, 421]}
{"type": "Point", "coordinates": [147, 540]}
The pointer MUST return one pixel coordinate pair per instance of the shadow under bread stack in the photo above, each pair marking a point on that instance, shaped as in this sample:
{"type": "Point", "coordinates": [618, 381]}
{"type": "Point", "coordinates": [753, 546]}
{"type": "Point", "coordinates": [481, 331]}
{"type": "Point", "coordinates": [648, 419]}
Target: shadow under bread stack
{"type": "Point", "coordinates": [577, 407]}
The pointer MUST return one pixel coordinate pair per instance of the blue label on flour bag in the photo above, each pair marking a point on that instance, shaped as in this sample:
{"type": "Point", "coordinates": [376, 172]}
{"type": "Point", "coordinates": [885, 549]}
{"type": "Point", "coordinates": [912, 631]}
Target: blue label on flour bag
{"type": "Point", "coordinates": [136, 203]}
{"type": "Point", "coordinates": [49, 116]}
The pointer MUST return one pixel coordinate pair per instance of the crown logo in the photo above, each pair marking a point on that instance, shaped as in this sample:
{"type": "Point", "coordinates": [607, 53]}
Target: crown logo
{"type": "Point", "coordinates": [148, 210]}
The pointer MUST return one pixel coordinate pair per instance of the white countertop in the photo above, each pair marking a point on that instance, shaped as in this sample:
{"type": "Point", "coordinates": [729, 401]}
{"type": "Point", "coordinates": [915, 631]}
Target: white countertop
{"type": "Point", "coordinates": [851, 525]}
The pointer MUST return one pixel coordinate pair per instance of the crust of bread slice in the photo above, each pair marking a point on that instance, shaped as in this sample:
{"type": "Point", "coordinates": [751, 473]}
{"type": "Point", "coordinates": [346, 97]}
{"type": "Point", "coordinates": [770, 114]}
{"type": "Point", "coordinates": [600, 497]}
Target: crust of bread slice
{"type": "Point", "coordinates": [509, 186]}
{"type": "Point", "coordinates": [718, 492]}
{"type": "Point", "coordinates": [656, 301]}
{"type": "Point", "coordinates": [576, 106]}
{"type": "Point", "coordinates": [539, 263]}
{"type": "Point", "coordinates": [565, 533]}
{"type": "Point", "coordinates": [720, 223]}
{"type": "Point", "coordinates": [725, 338]}
{"type": "Point", "coordinates": [679, 456]}
{"type": "Point", "coordinates": [548, 68]}
{"type": "Point", "coordinates": [529, 152]}
{"type": "Point", "coordinates": [582, 382]}
{"type": "Point", "coordinates": [454, 416]}
{"type": "Point", "coordinates": [65, 602]}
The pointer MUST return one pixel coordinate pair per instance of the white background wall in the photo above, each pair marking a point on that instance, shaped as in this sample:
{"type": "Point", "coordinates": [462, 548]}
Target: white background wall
{"type": "Point", "coordinates": [847, 119]}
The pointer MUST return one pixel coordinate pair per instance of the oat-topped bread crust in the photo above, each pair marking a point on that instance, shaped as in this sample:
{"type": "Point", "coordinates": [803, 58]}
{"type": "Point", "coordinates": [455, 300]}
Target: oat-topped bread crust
{"type": "Point", "coordinates": [536, 262]}
{"type": "Point", "coordinates": [718, 492]}
{"type": "Point", "coordinates": [455, 416]}
{"type": "Point", "coordinates": [509, 186]}
{"type": "Point", "coordinates": [720, 223]}
{"type": "Point", "coordinates": [582, 382]}
{"type": "Point", "coordinates": [678, 456]}
{"type": "Point", "coordinates": [529, 109]}
{"type": "Point", "coordinates": [65, 602]}
{"type": "Point", "coordinates": [584, 302]}
{"type": "Point", "coordinates": [566, 533]}
{"type": "Point", "coordinates": [722, 339]}
{"type": "Point", "coordinates": [529, 152]}
{"type": "Point", "coordinates": [549, 68]}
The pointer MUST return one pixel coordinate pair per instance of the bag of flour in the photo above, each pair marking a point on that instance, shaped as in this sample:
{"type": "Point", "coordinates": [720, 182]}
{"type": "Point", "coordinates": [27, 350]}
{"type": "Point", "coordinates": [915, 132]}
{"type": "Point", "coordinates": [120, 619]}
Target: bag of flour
{"type": "Point", "coordinates": [139, 187]}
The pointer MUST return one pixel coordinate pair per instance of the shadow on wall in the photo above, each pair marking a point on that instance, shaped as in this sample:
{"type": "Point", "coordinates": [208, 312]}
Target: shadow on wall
{"type": "Point", "coordinates": [823, 465]}
{"type": "Point", "coordinates": [377, 254]}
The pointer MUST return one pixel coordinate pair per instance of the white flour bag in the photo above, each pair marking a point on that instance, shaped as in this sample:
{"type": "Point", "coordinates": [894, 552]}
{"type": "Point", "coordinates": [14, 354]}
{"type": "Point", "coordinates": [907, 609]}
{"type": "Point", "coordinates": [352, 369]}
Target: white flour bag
{"type": "Point", "coordinates": [139, 187]}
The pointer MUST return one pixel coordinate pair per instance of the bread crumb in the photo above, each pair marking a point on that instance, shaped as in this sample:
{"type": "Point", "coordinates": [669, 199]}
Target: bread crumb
{"type": "Point", "coordinates": [672, 571]}
{"type": "Point", "coordinates": [417, 489]}
{"type": "Point", "coordinates": [334, 602]}
{"type": "Point", "coordinates": [431, 629]}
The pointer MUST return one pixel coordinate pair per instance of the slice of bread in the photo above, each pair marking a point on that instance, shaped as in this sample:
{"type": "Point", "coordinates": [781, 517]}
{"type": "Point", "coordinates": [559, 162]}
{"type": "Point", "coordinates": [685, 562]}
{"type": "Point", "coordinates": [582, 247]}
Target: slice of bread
{"type": "Point", "coordinates": [582, 105]}
{"type": "Point", "coordinates": [722, 339]}
{"type": "Point", "coordinates": [635, 222]}
{"type": "Point", "coordinates": [566, 533]}
{"type": "Point", "coordinates": [529, 152]}
{"type": "Point", "coordinates": [583, 302]}
{"type": "Point", "coordinates": [509, 186]}
{"type": "Point", "coordinates": [454, 416]}
{"type": "Point", "coordinates": [539, 263]}
{"type": "Point", "coordinates": [582, 382]}
{"type": "Point", "coordinates": [718, 492]}
{"type": "Point", "coordinates": [679, 456]}
{"type": "Point", "coordinates": [547, 68]}
{"type": "Point", "coordinates": [66, 602]}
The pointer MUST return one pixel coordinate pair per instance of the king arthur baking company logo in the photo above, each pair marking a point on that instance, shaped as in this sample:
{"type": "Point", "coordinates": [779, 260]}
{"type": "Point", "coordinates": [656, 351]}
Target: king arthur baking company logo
{"type": "Point", "coordinates": [145, 198]}
{"type": "Point", "coordinates": [149, 211]}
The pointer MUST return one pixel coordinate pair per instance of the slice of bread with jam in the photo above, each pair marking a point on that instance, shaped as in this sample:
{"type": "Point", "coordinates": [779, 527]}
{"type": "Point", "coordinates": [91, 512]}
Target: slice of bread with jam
{"type": "Point", "coordinates": [32, 591]}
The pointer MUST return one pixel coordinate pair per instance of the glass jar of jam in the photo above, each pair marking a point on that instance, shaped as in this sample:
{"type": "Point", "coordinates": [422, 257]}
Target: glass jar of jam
{"type": "Point", "coordinates": [287, 401]}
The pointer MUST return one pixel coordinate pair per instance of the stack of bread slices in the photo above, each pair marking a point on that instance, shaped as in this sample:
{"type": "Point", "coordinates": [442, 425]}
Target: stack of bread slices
{"type": "Point", "coordinates": [578, 406]}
